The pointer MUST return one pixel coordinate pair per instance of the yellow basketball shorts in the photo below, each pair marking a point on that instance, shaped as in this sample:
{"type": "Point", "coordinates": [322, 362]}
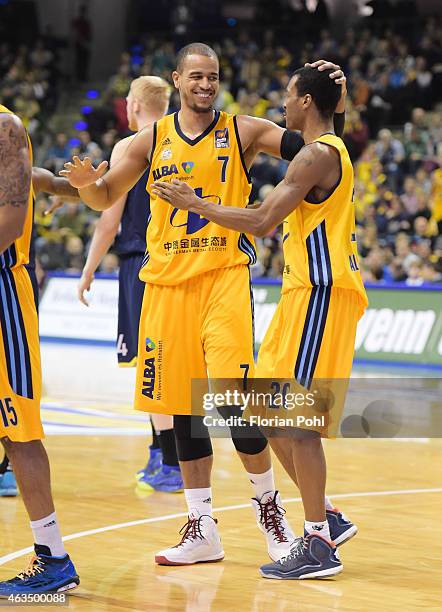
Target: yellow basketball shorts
{"type": "Point", "coordinates": [311, 340]}
{"type": "Point", "coordinates": [20, 368]}
{"type": "Point", "coordinates": [200, 328]}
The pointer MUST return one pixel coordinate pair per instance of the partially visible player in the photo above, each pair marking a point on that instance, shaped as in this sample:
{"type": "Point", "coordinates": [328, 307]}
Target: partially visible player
{"type": "Point", "coordinates": [42, 181]}
{"type": "Point", "coordinates": [21, 432]}
{"type": "Point", "coordinates": [147, 102]}
{"type": "Point", "coordinates": [312, 334]}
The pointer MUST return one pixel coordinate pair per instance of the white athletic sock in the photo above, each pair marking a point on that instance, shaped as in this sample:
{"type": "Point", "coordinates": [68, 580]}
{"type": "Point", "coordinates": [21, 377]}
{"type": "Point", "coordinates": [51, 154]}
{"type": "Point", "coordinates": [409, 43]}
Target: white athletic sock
{"type": "Point", "coordinates": [47, 533]}
{"type": "Point", "coordinates": [262, 483]}
{"type": "Point", "coordinates": [318, 527]}
{"type": "Point", "coordinates": [328, 504]}
{"type": "Point", "coordinates": [199, 501]}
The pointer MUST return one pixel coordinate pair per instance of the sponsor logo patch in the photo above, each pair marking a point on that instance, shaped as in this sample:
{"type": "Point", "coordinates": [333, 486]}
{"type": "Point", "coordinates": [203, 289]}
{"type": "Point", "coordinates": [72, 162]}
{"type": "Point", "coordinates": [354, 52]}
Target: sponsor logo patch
{"type": "Point", "coordinates": [166, 154]}
{"type": "Point", "coordinates": [222, 139]}
{"type": "Point", "coordinates": [150, 345]}
{"type": "Point", "coordinates": [187, 167]}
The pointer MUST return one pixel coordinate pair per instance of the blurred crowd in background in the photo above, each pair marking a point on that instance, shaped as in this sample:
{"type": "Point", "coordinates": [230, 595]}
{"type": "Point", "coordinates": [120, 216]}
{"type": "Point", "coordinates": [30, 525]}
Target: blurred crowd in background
{"type": "Point", "coordinates": [393, 133]}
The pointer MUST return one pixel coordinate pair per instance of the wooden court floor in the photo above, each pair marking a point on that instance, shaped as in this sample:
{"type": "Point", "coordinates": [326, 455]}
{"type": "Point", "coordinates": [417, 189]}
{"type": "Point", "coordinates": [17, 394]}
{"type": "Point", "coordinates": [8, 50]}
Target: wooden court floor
{"type": "Point", "coordinates": [392, 490]}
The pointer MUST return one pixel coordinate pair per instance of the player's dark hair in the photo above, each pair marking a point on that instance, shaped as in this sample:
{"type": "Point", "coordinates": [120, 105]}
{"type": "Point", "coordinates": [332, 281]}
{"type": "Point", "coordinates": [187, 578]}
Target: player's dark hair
{"type": "Point", "coordinates": [323, 90]}
{"type": "Point", "coordinates": [195, 48]}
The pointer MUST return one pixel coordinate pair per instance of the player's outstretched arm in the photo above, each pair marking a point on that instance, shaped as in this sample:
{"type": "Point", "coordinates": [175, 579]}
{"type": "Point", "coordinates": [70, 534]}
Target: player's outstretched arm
{"type": "Point", "coordinates": [101, 192]}
{"type": "Point", "coordinates": [302, 175]}
{"type": "Point", "coordinates": [44, 181]}
{"type": "Point", "coordinates": [15, 179]}
{"type": "Point", "coordinates": [105, 231]}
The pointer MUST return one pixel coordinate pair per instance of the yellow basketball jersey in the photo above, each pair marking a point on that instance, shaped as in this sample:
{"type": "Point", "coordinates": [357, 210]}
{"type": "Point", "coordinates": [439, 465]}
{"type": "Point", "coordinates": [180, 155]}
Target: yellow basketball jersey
{"type": "Point", "coordinates": [182, 244]}
{"type": "Point", "coordinates": [320, 239]}
{"type": "Point", "coordinates": [18, 253]}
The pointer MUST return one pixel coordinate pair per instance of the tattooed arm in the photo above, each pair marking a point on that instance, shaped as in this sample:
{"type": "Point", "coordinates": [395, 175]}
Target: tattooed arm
{"type": "Point", "coordinates": [15, 179]}
{"type": "Point", "coordinates": [44, 181]}
{"type": "Point", "coordinates": [314, 170]}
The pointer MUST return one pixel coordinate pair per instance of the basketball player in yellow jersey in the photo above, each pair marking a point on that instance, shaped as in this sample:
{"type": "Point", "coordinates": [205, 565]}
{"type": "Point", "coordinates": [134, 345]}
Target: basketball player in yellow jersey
{"type": "Point", "coordinates": [197, 314]}
{"type": "Point", "coordinates": [313, 331]}
{"type": "Point", "coordinates": [21, 432]}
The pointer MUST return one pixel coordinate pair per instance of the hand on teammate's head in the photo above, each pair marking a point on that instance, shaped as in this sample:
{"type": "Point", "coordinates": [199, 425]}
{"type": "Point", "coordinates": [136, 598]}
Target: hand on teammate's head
{"type": "Point", "coordinates": [337, 74]}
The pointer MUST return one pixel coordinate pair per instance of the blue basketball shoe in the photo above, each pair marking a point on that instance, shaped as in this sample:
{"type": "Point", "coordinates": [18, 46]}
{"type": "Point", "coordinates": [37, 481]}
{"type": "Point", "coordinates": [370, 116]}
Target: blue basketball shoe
{"type": "Point", "coordinates": [311, 557]}
{"type": "Point", "coordinates": [168, 480]}
{"type": "Point", "coordinates": [44, 574]}
{"type": "Point", "coordinates": [153, 463]}
{"type": "Point", "coordinates": [8, 484]}
{"type": "Point", "coordinates": [341, 529]}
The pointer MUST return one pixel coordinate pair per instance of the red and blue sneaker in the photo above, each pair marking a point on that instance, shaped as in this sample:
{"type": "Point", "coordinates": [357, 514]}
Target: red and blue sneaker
{"type": "Point", "coordinates": [341, 529]}
{"type": "Point", "coordinates": [310, 557]}
{"type": "Point", "coordinates": [44, 574]}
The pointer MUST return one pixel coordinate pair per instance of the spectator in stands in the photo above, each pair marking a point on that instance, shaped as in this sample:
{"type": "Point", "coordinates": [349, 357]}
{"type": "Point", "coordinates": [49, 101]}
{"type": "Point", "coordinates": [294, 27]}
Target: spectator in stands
{"type": "Point", "coordinates": [58, 153]}
{"type": "Point", "coordinates": [390, 152]}
{"type": "Point", "coordinates": [88, 147]}
{"type": "Point", "coordinates": [75, 254]}
{"type": "Point", "coordinates": [110, 264]}
{"type": "Point", "coordinates": [72, 218]}
{"type": "Point", "coordinates": [409, 198]}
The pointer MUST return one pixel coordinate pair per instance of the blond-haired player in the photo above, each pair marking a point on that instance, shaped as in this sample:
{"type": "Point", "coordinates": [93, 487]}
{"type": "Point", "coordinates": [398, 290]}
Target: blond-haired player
{"type": "Point", "coordinates": [147, 102]}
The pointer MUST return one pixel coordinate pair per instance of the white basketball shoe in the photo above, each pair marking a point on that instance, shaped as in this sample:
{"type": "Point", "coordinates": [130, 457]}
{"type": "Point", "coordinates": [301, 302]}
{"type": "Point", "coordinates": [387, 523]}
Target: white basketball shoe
{"type": "Point", "coordinates": [270, 516]}
{"type": "Point", "coordinates": [200, 543]}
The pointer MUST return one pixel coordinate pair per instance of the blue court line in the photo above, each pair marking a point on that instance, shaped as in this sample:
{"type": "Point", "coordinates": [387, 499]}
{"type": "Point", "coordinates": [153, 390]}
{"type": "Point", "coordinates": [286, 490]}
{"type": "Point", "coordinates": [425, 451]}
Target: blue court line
{"type": "Point", "coordinates": [99, 275]}
{"type": "Point", "coordinates": [85, 411]}
{"type": "Point", "coordinates": [77, 341]}
{"type": "Point", "coordinates": [69, 425]}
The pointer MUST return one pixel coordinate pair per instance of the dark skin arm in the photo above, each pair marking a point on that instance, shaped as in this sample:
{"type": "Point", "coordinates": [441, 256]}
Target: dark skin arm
{"type": "Point", "coordinates": [314, 160]}
{"type": "Point", "coordinates": [15, 179]}
{"type": "Point", "coordinates": [46, 182]}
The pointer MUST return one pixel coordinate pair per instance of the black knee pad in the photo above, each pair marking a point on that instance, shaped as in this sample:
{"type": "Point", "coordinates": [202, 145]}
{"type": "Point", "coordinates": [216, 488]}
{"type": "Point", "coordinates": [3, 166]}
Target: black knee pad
{"type": "Point", "coordinates": [247, 439]}
{"type": "Point", "coordinates": [192, 438]}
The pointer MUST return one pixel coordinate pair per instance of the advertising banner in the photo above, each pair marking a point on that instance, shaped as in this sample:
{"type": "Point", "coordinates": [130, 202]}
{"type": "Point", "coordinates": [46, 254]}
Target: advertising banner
{"type": "Point", "coordinates": [401, 324]}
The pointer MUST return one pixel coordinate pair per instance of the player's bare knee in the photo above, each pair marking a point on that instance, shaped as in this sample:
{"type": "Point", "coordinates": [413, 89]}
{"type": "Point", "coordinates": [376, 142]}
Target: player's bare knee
{"type": "Point", "coordinates": [306, 438]}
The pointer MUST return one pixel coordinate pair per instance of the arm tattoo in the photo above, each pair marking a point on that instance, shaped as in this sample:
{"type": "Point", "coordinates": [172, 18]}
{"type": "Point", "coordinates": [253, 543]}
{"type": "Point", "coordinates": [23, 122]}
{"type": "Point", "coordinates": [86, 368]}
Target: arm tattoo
{"type": "Point", "coordinates": [300, 162]}
{"type": "Point", "coordinates": [62, 187]}
{"type": "Point", "coordinates": [15, 165]}
{"type": "Point", "coordinates": [304, 158]}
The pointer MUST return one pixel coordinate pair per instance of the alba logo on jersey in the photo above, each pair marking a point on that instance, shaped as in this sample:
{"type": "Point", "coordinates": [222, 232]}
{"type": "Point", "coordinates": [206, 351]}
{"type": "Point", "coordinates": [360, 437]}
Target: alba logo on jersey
{"type": "Point", "coordinates": [164, 171]}
{"type": "Point", "coordinates": [149, 377]}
